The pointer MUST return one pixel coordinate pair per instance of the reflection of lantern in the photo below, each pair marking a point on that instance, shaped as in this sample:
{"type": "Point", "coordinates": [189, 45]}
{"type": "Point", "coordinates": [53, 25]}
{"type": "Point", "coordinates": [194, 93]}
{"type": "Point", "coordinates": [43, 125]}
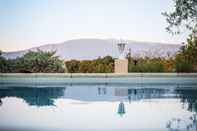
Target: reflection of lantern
{"type": "Point", "coordinates": [121, 109]}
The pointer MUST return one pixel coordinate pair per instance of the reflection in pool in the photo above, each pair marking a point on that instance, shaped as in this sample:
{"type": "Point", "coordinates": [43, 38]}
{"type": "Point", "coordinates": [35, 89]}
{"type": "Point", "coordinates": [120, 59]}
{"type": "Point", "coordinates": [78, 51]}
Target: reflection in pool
{"type": "Point", "coordinates": [98, 107]}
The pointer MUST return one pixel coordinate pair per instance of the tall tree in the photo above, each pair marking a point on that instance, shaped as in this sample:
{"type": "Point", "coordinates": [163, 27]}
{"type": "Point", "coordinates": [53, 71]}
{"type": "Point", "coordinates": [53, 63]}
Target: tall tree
{"type": "Point", "coordinates": [184, 16]}
{"type": "Point", "coordinates": [186, 60]}
{"type": "Point", "coordinates": [4, 67]}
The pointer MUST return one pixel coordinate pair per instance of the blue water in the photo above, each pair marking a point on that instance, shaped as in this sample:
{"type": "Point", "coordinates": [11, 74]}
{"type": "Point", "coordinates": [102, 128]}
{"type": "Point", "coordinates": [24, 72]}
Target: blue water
{"type": "Point", "coordinates": [99, 107]}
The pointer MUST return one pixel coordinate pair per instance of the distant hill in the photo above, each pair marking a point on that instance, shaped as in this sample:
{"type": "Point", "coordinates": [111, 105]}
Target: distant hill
{"type": "Point", "coordinates": [93, 48]}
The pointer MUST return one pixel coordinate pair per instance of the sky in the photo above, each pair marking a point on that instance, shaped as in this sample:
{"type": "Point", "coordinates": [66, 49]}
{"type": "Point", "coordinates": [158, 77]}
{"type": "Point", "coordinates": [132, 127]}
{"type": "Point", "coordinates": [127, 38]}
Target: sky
{"type": "Point", "coordinates": [30, 23]}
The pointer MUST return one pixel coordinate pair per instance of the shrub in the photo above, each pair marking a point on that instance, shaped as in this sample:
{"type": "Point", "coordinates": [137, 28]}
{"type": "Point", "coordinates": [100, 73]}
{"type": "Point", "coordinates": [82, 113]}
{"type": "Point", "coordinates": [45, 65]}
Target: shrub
{"type": "Point", "coordinates": [35, 62]}
{"type": "Point", "coordinates": [182, 64]}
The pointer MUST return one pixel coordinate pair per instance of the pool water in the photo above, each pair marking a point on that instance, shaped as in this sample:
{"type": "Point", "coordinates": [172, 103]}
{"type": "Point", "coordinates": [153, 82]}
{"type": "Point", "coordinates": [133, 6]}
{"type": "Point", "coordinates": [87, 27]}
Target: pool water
{"type": "Point", "coordinates": [98, 107]}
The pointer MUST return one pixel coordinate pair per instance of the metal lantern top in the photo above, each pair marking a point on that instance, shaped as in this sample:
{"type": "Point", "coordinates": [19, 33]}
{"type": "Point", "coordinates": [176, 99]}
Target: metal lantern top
{"type": "Point", "coordinates": [121, 48]}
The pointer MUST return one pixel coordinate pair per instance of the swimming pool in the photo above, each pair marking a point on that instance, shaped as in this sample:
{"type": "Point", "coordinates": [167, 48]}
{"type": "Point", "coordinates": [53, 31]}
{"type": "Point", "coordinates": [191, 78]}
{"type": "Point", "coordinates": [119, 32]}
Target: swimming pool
{"type": "Point", "coordinates": [105, 102]}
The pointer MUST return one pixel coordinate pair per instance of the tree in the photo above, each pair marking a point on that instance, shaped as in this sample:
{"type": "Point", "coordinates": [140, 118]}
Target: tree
{"type": "Point", "coordinates": [107, 60]}
{"type": "Point", "coordinates": [40, 61]}
{"type": "Point", "coordinates": [72, 66]}
{"type": "Point", "coordinates": [186, 60]}
{"type": "Point", "coordinates": [183, 16]}
{"type": "Point", "coordinates": [147, 65]}
{"type": "Point", "coordinates": [182, 64]}
{"type": "Point", "coordinates": [190, 50]}
{"type": "Point", "coordinates": [168, 64]}
{"type": "Point", "coordinates": [87, 66]}
{"type": "Point", "coordinates": [33, 61]}
{"type": "Point", "coordinates": [4, 66]}
{"type": "Point", "coordinates": [99, 65]}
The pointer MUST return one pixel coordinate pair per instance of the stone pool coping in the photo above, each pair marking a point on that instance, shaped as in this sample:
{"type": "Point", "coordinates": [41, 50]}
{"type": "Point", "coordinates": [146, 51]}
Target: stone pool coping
{"type": "Point", "coordinates": [99, 75]}
{"type": "Point", "coordinates": [130, 79]}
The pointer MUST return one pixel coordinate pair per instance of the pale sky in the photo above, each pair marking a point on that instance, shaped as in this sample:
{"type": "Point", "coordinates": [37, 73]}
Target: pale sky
{"type": "Point", "coordinates": [29, 23]}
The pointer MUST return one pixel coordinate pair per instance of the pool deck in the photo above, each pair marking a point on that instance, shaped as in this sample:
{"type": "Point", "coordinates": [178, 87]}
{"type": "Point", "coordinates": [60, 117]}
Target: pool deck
{"type": "Point", "coordinates": [64, 79]}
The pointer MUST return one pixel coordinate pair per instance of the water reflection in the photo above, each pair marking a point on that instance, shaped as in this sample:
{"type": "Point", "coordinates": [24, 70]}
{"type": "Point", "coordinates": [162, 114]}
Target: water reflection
{"type": "Point", "coordinates": [102, 91]}
{"type": "Point", "coordinates": [189, 100]}
{"type": "Point", "coordinates": [134, 105]}
{"type": "Point", "coordinates": [188, 97]}
{"type": "Point", "coordinates": [121, 109]}
{"type": "Point", "coordinates": [177, 124]}
{"type": "Point", "coordinates": [45, 96]}
{"type": "Point", "coordinates": [34, 96]}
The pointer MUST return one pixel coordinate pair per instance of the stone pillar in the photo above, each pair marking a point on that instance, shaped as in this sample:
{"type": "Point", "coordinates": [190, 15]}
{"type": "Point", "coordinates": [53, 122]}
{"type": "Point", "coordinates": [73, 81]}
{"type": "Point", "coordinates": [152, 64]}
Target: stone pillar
{"type": "Point", "coordinates": [121, 66]}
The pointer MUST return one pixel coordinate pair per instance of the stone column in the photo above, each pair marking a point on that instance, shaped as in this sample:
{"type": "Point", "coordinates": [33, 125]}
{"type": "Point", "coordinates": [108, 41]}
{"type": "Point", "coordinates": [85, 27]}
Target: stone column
{"type": "Point", "coordinates": [121, 66]}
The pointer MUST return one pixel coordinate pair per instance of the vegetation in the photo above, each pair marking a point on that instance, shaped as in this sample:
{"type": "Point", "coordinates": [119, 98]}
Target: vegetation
{"type": "Point", "coordinates": [186, 60]}
{"type": "Point", "coordinates": [147, 65]}
{"type": "Point", "coordinates": [100, 65]}
{"type": "Point", "coordinates": [46, 62]}
{"type": "Point", "coordinates": [106, 65]}
{"type": "Point", "coordinates": [4, 64]}
{"type": "Point", "coordinates": [184, 16]}
{"type": "Point", "coordinates": [33, 62]}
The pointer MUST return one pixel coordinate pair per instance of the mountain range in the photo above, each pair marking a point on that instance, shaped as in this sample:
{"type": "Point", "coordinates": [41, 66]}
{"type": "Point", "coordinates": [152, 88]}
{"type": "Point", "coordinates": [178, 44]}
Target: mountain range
{"type": "Point", "coordinates": [82, 49]}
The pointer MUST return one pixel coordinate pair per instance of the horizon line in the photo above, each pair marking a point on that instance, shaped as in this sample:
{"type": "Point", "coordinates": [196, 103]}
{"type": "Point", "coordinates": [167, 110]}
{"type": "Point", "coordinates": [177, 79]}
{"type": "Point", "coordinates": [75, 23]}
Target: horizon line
{"type": "Point", "coordinates": [118, 39]}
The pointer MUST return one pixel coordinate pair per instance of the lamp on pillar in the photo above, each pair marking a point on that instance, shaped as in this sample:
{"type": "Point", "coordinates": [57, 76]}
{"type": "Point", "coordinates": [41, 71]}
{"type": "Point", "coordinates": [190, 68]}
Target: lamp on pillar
{"type": "Point", "coordinates": [121, 64]}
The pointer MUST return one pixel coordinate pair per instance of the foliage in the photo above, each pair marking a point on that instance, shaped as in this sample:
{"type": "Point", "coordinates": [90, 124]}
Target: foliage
{"type": "Point", "coordinates": [72, 66]}
{"type": "Point", "coordinates": [33, 62]}
{"type": "Point", "coordinates": [168, 65]}
{"type": "Point", "coordinates": [190, 50]}
{"type": "Point", "coordinates": [186, 60]}
{"type": "Point", "coordinates": [184, 15]}
{"type": "Point", "coordinates": [4, 66]}
{"type": "Point", "coordinates": [179, 64]}
{"type": "Point", "coordinates": [146, 65]}
{"type": "Point", "coordinates": [46, 62]}
{"type": "Point", "coordinates": [182, 64]}
{"type": "Point", "coordinates": [100, 65]}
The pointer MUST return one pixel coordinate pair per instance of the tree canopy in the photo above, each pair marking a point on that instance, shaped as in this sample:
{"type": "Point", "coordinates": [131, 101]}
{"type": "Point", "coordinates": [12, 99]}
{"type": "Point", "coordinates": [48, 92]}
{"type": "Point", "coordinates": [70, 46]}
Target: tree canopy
{"type": "Point", "coordinates": [184, 16]}
{"type": "Point", "coordinates": [33, 62]}
{"type": "Point", "coordinates": [99, 65]}
{"type": "Point", "coordinates": [186, 60]}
